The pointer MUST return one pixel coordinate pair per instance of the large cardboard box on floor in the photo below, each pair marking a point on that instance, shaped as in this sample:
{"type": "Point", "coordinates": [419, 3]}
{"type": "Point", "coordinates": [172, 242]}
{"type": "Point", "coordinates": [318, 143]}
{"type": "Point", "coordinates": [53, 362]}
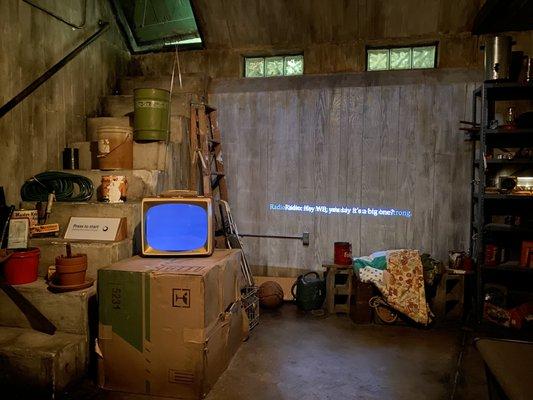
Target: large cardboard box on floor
{"type": "Point", "coordinates": [169, 326]}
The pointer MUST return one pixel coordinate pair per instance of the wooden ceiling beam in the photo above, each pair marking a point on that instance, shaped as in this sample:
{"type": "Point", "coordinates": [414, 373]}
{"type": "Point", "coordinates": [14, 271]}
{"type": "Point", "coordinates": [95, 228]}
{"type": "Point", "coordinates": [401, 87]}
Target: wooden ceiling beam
{"type": "Point", "coordinates": [503, 16]}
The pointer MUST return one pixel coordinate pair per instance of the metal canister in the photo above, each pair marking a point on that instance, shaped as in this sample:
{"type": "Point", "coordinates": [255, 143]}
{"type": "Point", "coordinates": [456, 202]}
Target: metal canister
{"type": "Point", "coordinates": [498, 57]}
{"type": "Point", "coordinates": [492, 254]}
{"type": "Point", "coordinates": [71, 158]}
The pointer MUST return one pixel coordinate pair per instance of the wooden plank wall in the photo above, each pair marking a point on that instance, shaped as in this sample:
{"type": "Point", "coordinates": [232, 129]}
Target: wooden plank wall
{"type": "Point", "coordinates": [332, 35]}
{"type": "Point", "coordinates": [459, 50]}
{"type": "Point", "coordinates": [34, 133]}
{"type": "Point", "coordinates": [394, 145]}
{"type": "Point", "coordinates": [284, 23]}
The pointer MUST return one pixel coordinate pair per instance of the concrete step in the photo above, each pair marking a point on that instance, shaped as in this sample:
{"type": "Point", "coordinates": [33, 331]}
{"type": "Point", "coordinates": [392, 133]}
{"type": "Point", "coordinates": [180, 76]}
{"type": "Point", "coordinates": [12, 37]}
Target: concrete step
{"type": "Point", "coordinates": [68, 311]}
{"type": "Point", "coordinates": [35, 365]}
{"type": "Point", "coordinates": [191, 83]}
{"type": "Point", "coordinates": [62, 211]}
{"type": "Point", "coordinates": [99, 254]}
{"type": "Point", "coordinates": [146, 155]}
{"type": "Point", "coordinates": [122, 105]}
{"type": "Point", "coordinates": [153, 155]}
{"type": "Point", "coordinates": [141, 183]}
{"type": "Point", "coordinates": [179, 126]}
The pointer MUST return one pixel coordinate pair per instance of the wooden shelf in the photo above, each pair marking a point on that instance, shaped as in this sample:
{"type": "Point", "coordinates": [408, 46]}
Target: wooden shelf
{"type": "Point", "coordinates": [509, 132]}
{"type": "Point", "coordinates": [503, 137]}
{"type": "Point", "coordinates": [506, 91]}
{"type": "Point", "coordinates": [511, 266]}
{"type": "Point", "coordinates": [509, 138]}
{"type": "Point", "coordinates": [507, 229]}
{"type": "Point", "coordinates": [521, 161]}
{"type": "Point", "coordinates": [491, 330]}
{"type": "Point", "coordinates": [498, 196]}
{"type": "Point", "coordinates": [514, 161]}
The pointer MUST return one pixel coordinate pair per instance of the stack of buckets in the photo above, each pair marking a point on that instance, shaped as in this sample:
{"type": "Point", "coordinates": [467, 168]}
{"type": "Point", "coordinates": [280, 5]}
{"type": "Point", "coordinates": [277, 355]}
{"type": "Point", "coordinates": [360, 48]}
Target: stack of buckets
{"type": "Point", "coordinates": [151, 123]}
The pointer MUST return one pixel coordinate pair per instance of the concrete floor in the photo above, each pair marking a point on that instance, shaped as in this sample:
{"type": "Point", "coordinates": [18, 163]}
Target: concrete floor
{"type": "Point", "coordinates": [294, 356]}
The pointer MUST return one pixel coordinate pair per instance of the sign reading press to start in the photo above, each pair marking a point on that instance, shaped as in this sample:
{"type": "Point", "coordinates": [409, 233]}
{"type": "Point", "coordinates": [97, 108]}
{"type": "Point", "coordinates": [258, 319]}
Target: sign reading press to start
{"type": "Point", "coordinates": [101, 229]}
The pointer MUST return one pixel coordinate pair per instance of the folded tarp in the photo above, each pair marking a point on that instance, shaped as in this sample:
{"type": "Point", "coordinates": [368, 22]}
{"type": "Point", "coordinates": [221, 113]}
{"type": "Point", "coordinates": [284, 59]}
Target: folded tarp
{"type": "Point", "coordinates": [376, 260]}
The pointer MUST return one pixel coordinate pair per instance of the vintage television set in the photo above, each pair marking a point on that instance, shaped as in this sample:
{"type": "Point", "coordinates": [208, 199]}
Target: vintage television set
{"type": "Point", "coordinates": [177, 226]}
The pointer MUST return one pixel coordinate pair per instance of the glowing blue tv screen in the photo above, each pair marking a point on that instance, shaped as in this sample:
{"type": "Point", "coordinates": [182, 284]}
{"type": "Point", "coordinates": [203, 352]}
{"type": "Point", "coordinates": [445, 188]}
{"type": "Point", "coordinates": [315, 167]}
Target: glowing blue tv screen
{"type": "Point", "coordinates": [176, 227]}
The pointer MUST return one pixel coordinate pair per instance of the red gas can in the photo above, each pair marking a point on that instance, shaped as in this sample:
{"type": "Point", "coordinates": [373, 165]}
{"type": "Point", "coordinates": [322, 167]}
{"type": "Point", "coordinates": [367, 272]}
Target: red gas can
{"type": "Point", "coordinates": [343, 253]}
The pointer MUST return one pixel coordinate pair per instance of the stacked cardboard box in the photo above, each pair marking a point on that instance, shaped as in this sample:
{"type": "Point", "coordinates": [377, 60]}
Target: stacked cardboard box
{"type": "Point", "coordinates": [169, 326]}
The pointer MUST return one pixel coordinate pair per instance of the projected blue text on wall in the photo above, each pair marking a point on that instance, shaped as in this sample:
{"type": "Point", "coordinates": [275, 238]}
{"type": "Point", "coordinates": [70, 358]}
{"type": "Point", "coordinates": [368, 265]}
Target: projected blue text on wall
{"type": "Point", "coordinates": [176, 227]}
{"type": "Point", "coordinates": [347, 210]}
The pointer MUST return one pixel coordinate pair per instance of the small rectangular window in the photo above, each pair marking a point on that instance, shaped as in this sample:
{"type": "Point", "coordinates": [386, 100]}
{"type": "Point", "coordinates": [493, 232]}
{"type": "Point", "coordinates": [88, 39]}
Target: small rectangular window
{"type": "Point", "coordinates": [256, 67]}
{"type": "Point", "coordinates": [294, 65]}
{"type": "Point", "coordinates": [424, 57]}
{"type": "Point", "coordinates": [378, 60]}
{"type": "Point", "coordinates": [400, 58]}
{"type": "Point", "coordinates": [397, 58]}
{"type": "Point", "coordinates": [274, 66]}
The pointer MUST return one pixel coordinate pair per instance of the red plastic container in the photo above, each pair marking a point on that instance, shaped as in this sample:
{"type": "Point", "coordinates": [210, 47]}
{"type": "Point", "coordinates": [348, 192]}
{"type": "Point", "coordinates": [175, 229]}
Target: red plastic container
{"type": "Point", "coordinates": [22, 266]}
{"type": "Point", "coordinates": [343, 253]}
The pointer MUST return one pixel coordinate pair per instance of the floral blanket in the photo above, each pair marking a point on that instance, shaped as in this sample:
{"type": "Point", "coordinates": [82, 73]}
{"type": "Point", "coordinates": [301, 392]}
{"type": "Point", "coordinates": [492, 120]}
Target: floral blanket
{"type": "Point", "coordinates": [401, 282]}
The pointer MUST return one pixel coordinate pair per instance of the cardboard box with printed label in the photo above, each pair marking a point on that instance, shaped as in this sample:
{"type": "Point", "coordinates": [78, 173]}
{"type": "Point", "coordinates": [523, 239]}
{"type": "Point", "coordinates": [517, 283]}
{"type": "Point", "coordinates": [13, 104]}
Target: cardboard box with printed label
{"type": "Point", "coordinates": [169, 326]}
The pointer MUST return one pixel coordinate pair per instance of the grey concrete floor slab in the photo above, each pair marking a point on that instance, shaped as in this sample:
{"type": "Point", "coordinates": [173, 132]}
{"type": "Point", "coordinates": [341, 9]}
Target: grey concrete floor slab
{"type": "Point", "coordinates": [293, 356]}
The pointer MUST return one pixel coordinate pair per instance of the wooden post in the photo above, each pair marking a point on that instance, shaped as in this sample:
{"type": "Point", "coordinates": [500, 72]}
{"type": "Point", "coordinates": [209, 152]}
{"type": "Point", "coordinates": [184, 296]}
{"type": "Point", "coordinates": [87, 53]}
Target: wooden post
{"type": "Point", "coordinates": [217, 147]}
{"type": "Point", "coordinates": [204, 148]}
{"type": "Point", "coordinates": [193, 147]}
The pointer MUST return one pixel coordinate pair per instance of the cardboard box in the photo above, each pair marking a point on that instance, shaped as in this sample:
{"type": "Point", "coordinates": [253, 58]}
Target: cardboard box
{"type": "Point", "coordinates": [169, 326]}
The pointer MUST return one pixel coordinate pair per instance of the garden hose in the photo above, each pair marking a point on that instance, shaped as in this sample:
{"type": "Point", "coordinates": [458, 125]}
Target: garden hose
{"type": "Point", "coordinates": [63, 184]}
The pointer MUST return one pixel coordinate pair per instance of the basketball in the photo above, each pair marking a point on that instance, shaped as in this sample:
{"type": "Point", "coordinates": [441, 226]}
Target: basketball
{"type": "Point", "coordinates": [270, 295]}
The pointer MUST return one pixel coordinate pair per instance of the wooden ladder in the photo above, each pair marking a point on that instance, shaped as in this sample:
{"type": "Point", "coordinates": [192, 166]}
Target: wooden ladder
{"type": "Point", "coordinates": [206, 153]}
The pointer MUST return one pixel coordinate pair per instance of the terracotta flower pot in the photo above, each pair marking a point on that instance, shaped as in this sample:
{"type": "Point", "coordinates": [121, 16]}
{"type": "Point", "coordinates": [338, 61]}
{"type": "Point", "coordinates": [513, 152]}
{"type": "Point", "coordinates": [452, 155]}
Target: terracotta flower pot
{"type": "Point", "coordinates": [71, 270]}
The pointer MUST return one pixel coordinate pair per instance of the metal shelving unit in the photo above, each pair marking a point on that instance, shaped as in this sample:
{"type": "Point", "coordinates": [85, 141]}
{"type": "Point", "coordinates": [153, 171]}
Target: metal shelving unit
{"type": "Point", "coordinates": [484, 204]}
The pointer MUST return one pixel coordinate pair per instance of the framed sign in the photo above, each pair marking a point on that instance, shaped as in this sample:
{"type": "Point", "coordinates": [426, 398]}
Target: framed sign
{"type": "Point", "coordinates": [98, 229]}
{"type": "Point", "coordinates": [19, 232]}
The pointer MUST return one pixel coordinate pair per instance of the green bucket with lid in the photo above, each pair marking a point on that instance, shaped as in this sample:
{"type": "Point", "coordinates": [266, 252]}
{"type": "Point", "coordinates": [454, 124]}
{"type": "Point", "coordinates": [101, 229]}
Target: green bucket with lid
{"type": "Point", "coordinates": [152, 114]}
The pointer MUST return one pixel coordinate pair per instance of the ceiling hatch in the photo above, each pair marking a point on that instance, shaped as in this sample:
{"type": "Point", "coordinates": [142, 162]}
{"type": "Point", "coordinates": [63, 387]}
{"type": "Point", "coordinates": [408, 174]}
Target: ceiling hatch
{"type": "Point", "coordinates": [150, 25]}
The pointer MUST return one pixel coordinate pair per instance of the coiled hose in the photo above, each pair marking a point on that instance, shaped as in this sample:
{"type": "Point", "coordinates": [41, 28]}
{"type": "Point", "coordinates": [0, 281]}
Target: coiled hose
{"type": "Point", "coordinates": [38, 187]}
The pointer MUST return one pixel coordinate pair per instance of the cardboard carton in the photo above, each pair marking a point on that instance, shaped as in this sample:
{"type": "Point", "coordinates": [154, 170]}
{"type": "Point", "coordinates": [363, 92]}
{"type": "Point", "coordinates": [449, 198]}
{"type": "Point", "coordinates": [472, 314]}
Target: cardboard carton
{"type": "Point", "coordinates": [169, 326]}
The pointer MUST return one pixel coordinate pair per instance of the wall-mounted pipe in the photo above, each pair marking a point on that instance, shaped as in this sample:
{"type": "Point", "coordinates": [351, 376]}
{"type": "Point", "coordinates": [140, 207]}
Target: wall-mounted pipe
{"type": "Point", "coordinates": [304, 237]}
{"type": "Point", "coordinates": [52, 70]}
{"type": "Point", "coordinates": [60, 18]}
